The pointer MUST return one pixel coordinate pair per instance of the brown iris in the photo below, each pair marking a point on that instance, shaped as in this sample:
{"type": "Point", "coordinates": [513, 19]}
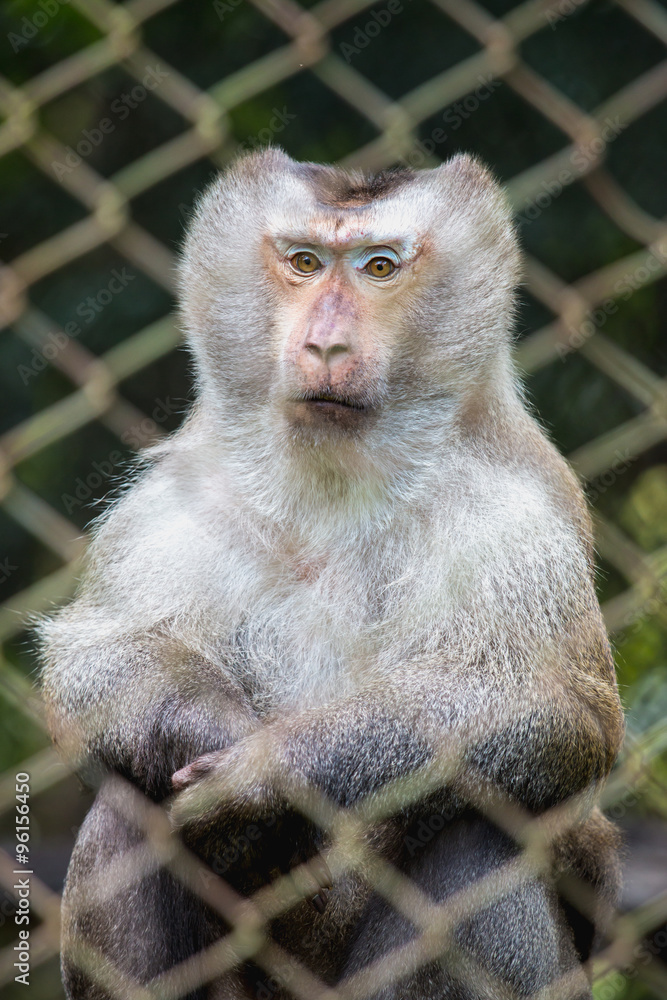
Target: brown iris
{"type": "Point", "coordinates": [306, 262]}
{"type": "Point", "coordinates": [380, 267]}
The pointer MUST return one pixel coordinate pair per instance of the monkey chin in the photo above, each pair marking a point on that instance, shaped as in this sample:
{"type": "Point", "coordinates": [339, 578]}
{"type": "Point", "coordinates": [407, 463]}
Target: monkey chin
{"type": "Point", "coordinates": [321, 413]}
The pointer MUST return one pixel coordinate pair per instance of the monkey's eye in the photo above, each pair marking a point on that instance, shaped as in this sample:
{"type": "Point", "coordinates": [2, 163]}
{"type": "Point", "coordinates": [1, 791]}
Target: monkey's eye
{"type": "Point", "coordinates": [305, 262]}
{"type": "Point", "coordinates": [380, 267]}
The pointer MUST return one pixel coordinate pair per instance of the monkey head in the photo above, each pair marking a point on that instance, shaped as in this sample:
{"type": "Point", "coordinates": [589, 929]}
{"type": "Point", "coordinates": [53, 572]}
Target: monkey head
{"type": "Point", "coordinates": [334, 305]}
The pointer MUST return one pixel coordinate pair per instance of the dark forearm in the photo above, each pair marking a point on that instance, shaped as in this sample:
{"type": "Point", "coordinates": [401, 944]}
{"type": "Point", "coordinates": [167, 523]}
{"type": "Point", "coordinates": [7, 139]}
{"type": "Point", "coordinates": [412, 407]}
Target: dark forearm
{"type": "Point", "coordinates": [168, 734]}
{"type": "Point", "coordinates": [539, 747]}
{"type": "Point", "coordinates": [159, 708]}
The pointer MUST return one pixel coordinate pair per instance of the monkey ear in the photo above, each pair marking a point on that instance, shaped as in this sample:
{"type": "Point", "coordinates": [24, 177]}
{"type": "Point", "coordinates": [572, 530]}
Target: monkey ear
{"type": "Point", "coordinates": [474, 203]}
{"type": "Point", "coordinates": [467, 171]}
{"type": "Point", "coordinates": [259, 162]}
{"type": "Point", "coordinates": [468, 185]}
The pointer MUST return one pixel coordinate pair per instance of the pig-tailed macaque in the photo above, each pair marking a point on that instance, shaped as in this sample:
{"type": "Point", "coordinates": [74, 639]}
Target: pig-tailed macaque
{"type": "Point", "coordinates": [359, 565]}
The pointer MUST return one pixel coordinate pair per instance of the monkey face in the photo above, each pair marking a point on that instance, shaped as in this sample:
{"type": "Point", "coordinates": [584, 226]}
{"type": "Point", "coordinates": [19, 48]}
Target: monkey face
{"type": "Point", "coordinates": [336, 304]}
{"type": "Point", "coordinates": [338, 288]}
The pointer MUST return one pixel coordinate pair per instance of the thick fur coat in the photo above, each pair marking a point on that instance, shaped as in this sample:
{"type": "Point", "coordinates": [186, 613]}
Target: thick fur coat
{"type": "Point", "coordinates": [358, 553]}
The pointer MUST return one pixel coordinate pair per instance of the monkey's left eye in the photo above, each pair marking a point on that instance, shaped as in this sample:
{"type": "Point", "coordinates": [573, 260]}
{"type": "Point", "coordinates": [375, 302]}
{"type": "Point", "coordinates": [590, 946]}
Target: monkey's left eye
{"type": "Point", "coordinates": [380, 267]}
{"type": "Point", "coordinates": [305, 262]}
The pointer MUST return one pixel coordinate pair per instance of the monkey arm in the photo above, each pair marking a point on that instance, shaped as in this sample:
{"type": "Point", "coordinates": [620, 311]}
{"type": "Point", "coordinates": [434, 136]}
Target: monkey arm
{"type": "Point", "coordinates": [539, 739]}
{"type": "Point", "coordinates": [142, 708]}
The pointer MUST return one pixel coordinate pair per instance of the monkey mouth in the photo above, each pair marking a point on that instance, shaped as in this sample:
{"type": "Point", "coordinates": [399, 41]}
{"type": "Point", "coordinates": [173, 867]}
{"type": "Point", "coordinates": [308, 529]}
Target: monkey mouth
{"type": "Point", "coordinates": [332, 401]}
{"type": "Point", "coordinates": [333, 409]}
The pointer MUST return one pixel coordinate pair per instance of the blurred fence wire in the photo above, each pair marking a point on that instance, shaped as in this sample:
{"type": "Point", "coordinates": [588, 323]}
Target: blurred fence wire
{"type": "Point", "coordinates": [578, 312]}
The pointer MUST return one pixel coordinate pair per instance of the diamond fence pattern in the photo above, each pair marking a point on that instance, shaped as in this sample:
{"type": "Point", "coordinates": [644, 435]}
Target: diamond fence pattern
{"type": "Point", "coordinates": [95, 397]}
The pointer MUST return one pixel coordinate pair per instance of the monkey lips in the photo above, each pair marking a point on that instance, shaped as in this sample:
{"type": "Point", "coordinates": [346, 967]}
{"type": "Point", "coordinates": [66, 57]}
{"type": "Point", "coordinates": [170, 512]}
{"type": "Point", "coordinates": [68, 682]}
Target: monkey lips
{"type": "Point", "coordinates": [330, 408]}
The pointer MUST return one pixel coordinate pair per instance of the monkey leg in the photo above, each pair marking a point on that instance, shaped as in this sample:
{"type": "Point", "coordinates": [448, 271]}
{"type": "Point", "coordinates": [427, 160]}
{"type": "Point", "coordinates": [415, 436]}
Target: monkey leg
{"type": "Point", "coordinates": [512, 947]}
{"type": "Point", "coordinates": [118, 925]}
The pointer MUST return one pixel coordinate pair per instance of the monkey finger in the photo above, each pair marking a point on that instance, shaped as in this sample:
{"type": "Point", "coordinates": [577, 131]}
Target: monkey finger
{"type": "Point", "coordinates": [318, 867]}
{"type": "Point", "coordinates": [307, 885]}
{"type": "Point", "coordinates": [194, 771]}
{"type": "Point", "coordinates": [319, 902]}
{"type": "Point", "coordinates": [181, 779]}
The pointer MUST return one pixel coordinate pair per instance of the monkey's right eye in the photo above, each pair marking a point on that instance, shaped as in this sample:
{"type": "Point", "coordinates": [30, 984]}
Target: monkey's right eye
{"type": "Point", "coordinates": [305, 262]}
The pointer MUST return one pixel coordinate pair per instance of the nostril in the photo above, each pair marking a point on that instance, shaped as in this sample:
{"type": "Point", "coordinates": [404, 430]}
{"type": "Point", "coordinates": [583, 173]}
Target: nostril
{"type": "Point", "coordinates": [337, 349]}
{"type": "Point", "coordinates": [326, 352]}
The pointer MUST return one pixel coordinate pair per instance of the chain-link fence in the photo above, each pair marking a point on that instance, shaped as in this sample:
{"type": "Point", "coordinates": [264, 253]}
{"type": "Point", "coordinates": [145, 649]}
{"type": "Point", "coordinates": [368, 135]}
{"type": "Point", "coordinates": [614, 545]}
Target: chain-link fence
{"type": "Point", "coordinates": [324, 46]}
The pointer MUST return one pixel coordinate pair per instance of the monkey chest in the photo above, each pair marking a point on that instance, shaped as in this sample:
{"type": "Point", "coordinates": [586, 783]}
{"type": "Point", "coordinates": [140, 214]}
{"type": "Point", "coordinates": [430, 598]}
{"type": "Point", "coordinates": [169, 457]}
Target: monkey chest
{"type": "Point", "coordinates": [304, 644]}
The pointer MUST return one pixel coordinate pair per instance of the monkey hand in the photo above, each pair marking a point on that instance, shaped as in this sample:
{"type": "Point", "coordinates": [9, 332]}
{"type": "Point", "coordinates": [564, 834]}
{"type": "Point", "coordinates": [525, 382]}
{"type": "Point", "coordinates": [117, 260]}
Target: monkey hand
{"type": "Point", "coordinates": [241, 779]}
{"type": "Point", "coordinates": [247, 781]}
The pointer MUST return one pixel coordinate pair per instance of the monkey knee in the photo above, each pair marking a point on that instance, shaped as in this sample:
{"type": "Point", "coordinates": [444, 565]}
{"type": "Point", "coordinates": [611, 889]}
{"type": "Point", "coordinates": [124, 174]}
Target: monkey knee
{"type": "Point", "coordinates": [495, 942]}
{"type": "Point", "coordinates": [517, 947]}
{"type": "Point", "coordinates": [521, 942]}
{"type": "Point", "coordinates": [124, 912]}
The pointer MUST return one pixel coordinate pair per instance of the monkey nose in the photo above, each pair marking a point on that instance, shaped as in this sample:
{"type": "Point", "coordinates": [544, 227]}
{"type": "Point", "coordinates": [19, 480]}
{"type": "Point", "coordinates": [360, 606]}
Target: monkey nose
{"type": "Point", "coordinates": [326, 350]}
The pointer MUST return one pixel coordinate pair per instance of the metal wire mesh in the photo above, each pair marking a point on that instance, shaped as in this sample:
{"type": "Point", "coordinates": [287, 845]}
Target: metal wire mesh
{"type": "Point", "coordinates": [578, 310]}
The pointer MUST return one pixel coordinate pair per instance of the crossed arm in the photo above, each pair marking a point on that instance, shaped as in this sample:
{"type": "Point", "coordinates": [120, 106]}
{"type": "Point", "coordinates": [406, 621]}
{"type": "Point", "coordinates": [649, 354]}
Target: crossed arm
{"type": "Point", "coordinates": [142, 708]}
{"type": "Point", "coordinates": [538, 743]}
{"type": "Point", "coordinates": [158, 713]}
